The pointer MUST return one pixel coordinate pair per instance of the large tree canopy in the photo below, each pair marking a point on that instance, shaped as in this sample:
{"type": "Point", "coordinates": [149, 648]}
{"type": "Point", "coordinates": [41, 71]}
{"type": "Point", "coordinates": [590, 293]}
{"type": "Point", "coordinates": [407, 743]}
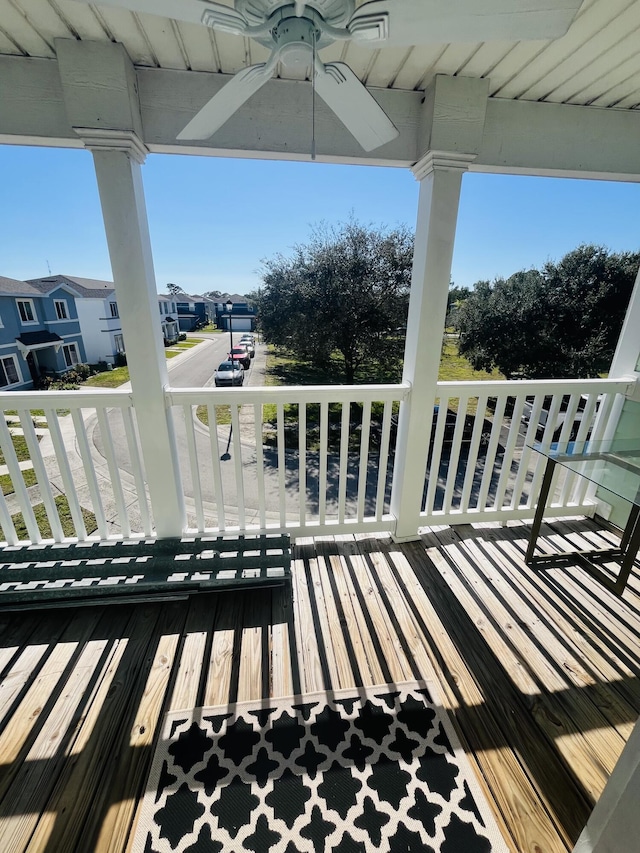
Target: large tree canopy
{"type": "Point", "coordinates": [562, 321]}
{"type": "Point", "coordinates": [344, 291]}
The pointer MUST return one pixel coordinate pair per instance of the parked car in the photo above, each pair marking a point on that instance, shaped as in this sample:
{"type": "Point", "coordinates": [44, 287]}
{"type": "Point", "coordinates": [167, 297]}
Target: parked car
{"type": "Point", "coordinates": [249, 344]}
{"type": "Point", "coordinates": [560, 417]}
{"type": "Point", "coordinates": [229, 373]}
{"type": "Point", "coordinates": [240, 354]}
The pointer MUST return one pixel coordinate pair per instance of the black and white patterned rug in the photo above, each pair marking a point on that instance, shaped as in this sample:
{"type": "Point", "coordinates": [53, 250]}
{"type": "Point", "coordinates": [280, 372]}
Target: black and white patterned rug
{"type": "Point", "coordinates": [354, 771]}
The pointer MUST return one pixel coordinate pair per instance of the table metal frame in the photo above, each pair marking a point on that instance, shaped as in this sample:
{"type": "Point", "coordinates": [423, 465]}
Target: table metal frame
{"type": "Point", "coordinates": [629, 544]}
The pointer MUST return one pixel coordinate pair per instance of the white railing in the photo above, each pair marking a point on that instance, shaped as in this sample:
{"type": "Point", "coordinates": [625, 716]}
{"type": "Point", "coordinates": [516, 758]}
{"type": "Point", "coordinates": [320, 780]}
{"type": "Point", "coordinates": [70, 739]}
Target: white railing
{"type": "Point", "coordinates": [481, 465]}
{"type": "Point", "coordinates": [304, 460]}
{"type": "Point", "coordinates": [296, 459]}
{"type": "Point", "coordinates": [81, 453]}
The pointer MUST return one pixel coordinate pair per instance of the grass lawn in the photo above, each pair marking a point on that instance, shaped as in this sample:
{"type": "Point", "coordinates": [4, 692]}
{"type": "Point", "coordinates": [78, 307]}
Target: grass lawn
{"type": "Point", "coordinates": [456, 368]}
{"type": "Point", "coordinates": [62, 506]}
{"type": "Point", "coordinates": [108, 379]}
{"type": "Point", "coordinates": [6, 483]}
{"type": "Point", "coordinates": [120, 375]}
{"type": "Point", "coordinates": [285, 369]}
{"type": "Point", "coordinates": [223, 415]}
{"type": "Point", "coordinates": [20, 447]}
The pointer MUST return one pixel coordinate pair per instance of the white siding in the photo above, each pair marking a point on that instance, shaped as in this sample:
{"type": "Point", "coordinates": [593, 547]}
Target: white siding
{"type": "Point", "coordinates": [98, 342]}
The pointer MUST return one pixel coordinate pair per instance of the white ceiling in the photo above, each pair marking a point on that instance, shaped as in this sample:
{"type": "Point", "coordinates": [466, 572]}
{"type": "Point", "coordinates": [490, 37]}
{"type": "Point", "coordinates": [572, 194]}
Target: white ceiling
{"type": "Point", "coordinates": [596, 63]}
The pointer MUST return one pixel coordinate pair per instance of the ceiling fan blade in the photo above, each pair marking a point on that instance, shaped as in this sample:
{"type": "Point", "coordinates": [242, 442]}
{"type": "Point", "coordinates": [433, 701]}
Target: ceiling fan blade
{"type": "Point", "coordinates": [356, 108]}
{"type": "Point", "coordinates": [227, 101]}
{"type": "Point", "coordinates": [382, 22]}
{"type": "Point", "coordinates": [192, 11]}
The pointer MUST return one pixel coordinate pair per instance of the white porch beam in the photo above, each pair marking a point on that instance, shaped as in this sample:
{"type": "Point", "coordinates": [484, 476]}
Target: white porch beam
{"type": "Point", "coordinates": [99, 90]}
{"type": "Point", "coordinates": [520, 137]}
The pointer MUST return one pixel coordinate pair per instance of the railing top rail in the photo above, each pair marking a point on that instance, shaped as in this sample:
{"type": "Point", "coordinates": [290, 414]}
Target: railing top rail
{"type": "Point", "coordinates": [289, 394]}
{"type": "Point", "coordinates": [80, 399]}
{"type": "Point", "coordinates": [536, 386]}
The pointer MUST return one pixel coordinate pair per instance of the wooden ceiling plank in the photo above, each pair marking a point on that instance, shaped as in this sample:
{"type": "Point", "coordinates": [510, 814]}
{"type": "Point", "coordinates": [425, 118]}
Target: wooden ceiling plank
{"type": "Point", "coordinates": [161, 34]}
{"type": "Point", "coordinates": [389, 63]}
{"type": "Point", "coordinates": [511, 66]}
{"type": "Point", "coordinates": [454, 56]}
{"type": "Point", "coordinates": [231, 52]}
{"type": "Point", "coordinates": [82, 19]}
{"type": "Point", "coordinates": [23, 31]}
{"type": "Point", "coordinates": [9, 46]}
{"type": "Point", "coordinates": [181, 44]}
{"type": "Point", "coordinates": [50, 20]}
{"type": "Point", "coordinates": [214, 49]}
{"type": "Point", "coordinates": [584, 29]}
{"type": "Point", "coordinates": [398, 70]}
{"type": "Point", "coordinates": [578, 60]}
{"type": "Point", "coordinates": [147, 40]}
{"type": "Point", "coordinates": [199, 46]}
{"type": "Point", "coordinates": [419, 61]}
{"type": "Point", "coordinates": [123, 28]}
{"type": "Point", "coordinates": [582, 87]}
{"type": "Point", "coordinates": [629, 74]}
{"type": "Point", "coordinates": [486, 58]}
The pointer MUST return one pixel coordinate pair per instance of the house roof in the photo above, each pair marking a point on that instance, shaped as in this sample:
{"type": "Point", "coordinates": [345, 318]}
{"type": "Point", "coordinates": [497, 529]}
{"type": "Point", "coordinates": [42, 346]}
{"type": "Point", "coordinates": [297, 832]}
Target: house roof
{"type": "Point", "coordinates": [30, 339]}
{"type": "Point", "coordinates": [13, 287]}
{"type": "Point", "coordinates": [86, 287]}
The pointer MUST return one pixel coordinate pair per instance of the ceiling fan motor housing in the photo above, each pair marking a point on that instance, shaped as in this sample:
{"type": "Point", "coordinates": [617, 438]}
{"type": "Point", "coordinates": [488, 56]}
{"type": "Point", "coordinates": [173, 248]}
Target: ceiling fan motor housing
{"type": "Point", "coordinates": [296, 39]}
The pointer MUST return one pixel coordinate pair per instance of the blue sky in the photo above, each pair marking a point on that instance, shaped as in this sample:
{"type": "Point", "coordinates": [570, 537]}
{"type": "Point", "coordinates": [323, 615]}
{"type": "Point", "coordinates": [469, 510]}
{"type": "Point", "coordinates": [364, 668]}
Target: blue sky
{"type": "Point", "coordinates": [213, 220]}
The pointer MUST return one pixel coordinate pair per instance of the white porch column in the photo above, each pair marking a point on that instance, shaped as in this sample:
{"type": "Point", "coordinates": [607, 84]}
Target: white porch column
{"type": "Point", "coordinates": [625, 422]}
{"type": "Point", "coordinates": [451, 134]}
{"type": "Point", "coordinates": [626, 360]}
{"type": "Point", "coordinates": [125, 219]}
{"type": "Point", "coordinates": [99, 87]}
{"type": "Point", "coordinates": [614, 824]}
{"type": "Point", "coordinates": [440, 176]}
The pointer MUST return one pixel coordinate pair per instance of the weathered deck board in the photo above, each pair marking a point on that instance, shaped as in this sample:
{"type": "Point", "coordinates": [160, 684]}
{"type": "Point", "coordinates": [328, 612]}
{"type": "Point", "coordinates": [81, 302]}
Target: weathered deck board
{"type": "Point", "coordinates": [539, 669]}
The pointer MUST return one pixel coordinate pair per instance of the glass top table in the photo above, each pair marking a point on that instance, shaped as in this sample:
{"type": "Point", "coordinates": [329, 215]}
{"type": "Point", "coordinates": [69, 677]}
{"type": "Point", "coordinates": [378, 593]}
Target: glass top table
{"type": "Point", "coordinates": [614, 465]}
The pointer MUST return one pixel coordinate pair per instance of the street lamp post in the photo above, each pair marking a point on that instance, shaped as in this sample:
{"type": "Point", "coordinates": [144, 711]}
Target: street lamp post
{"type": "Point", "coordinates": [229, 307]}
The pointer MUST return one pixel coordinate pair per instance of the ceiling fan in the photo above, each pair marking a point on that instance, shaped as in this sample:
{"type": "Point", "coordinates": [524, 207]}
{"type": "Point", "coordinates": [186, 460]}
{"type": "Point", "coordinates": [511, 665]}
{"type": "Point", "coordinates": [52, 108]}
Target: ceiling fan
{"type": "Point", "coordinates": [295, 30]}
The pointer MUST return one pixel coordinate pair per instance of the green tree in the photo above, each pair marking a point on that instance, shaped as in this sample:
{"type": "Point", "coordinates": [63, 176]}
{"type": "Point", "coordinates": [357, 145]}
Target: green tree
{"type": "Point", "coordinates": [562, 321]}
{"type": "Point", "coordinates": [345, 291]}
{"type": "Point", "coordinates": [174, 289]}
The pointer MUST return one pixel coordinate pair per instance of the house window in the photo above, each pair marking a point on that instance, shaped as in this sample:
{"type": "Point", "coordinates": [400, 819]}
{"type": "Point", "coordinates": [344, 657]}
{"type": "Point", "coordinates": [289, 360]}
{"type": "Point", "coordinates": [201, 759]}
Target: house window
{"type": "Point", "coordinates": [27, 310]}
{"type": "Point", "coordinates": [61, 309]}
{"type": "Point", "coordinates": [114, 309]}
{"type": "Point", "coordinates": [70, 352]}
{"type": "Point", "coordinates": [8, 371]}
{"type": "Point", "coordinates": [119, 342]}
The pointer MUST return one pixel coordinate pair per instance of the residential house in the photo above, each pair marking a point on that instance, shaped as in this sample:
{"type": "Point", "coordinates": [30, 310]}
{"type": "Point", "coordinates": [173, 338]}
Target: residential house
{"type": "Point", "coordinates": [194, 311]}
{"type": "Point", "coordinates": [98, 315]}
{"type": "Point", "coordinates": [39, 332]}
{"type": "Point", "coordinates": [191, 312]}
{"type": "Point", "coordinates": [168, 319]}
{"type": "Point", "coordinates": [243, 317]}
{"type": "Point", "coordinates": [419, 574]}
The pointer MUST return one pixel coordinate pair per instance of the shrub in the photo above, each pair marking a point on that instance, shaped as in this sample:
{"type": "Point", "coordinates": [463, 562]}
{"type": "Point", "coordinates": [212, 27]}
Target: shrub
{"type": "Point", "coordinates": [120, 359]}
{"type": "Point", "coordinates": [182, 336]}
{"type": "Point", "coordinates": [83, 371]}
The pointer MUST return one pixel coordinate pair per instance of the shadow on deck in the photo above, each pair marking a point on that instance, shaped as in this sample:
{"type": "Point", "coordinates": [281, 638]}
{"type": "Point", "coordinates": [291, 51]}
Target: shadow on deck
{"type": "Point", "coordinates": [538, 669]}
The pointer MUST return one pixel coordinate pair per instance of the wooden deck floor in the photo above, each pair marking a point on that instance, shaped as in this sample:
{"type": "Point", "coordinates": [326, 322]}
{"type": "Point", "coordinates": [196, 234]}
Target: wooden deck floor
{"type": "Point", "coordinates": [539, 670]}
